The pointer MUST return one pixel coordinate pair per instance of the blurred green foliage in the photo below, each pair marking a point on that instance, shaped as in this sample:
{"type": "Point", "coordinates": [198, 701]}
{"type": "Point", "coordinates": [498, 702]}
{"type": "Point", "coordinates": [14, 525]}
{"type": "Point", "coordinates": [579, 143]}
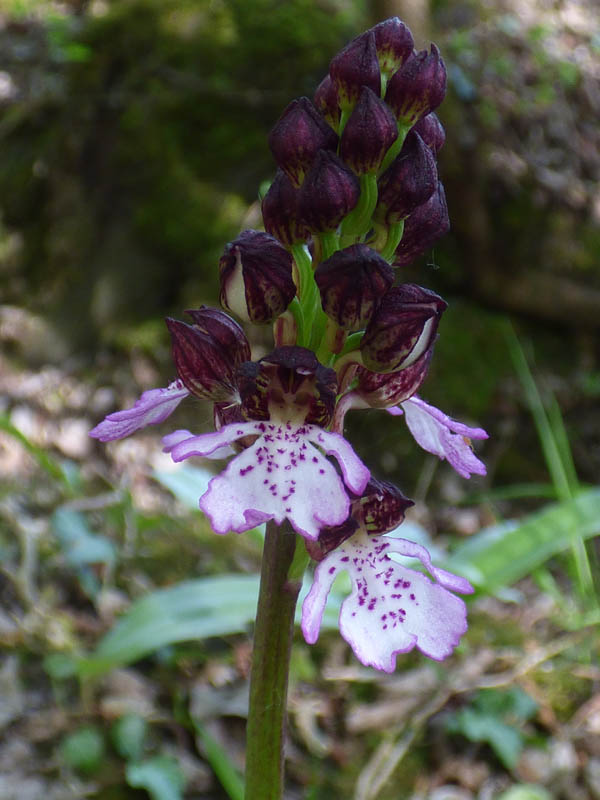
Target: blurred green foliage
{"type": "Point", "coordinates": [137, 141]}
{"type": "Point", "coordinates": [497, 718]}
{"type": "Point", "coordinates": [133, 141]}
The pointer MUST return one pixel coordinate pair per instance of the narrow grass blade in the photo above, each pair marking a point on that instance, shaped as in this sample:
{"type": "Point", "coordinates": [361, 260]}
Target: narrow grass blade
{"type": "Point", "coordinates": [557, 452]}
{"type": "Point", "coordinates": [226, 772]}
{"type": "Point", "coordinates": [548, 442]}
{"type": "Point", "coordinates": [46, 462]}
{"type": "Point", "coordinates": [500, 556]}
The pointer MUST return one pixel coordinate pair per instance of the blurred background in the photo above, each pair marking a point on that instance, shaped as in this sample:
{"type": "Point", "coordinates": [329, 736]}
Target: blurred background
{"type": "Point", "coordinates": [133, 141]}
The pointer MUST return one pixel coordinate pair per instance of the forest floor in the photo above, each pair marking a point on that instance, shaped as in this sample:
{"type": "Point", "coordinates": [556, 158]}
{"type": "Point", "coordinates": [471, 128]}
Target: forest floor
{"type": "Point", "coordinates": [87, 531]}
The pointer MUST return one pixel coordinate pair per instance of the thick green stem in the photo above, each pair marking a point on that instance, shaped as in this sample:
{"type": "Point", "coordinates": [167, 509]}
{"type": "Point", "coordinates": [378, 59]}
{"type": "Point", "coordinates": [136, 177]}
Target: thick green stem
{"type": "Point", "coordinates": [265, 731]}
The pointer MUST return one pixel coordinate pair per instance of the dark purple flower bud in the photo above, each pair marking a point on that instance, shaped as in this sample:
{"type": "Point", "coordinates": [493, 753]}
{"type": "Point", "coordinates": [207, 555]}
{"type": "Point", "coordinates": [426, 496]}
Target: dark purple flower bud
{"type": "Point", "coordinates": [418, 87]}
{"type": "Point", "coordinates": [222, 329]}
{"type": "Point", "coordinates": [326, 101]}
{"type": "Point", "coordinates": [288, 385]}
{"type": "Point", "coordinates": [256, 277]}
{"type": "Point", "coordinates": [330, 190]}
{"type": "Point", "coordinates": [354, 67]}
{"type": "Point", "coordinates": [352, 282]}
{"type": "Point", "coordinates": [394, 43]}
{"type": "Point", "coordinates": [280, 211]}
{"type": "Point", "coordinates": [380, 509]}
{"type": "Point", "coordinates": [409, 181]}
{"type": "Point", "coordinates": [369, 133]}
{"type": "Point", "coordinates": [383, 390]}
{"type": "Point", "coordinates": [423, 228]}
{"type": "Point", "coordinates": [330, 538]}
{"type": "Point", "coordinates": [297, 136]}
{"type": "Point", "coordinates": [431, 130]}
{"type": "Point", "coordinates": [403, 327]}
{"type": "Point", "coordinates": [205, 367]}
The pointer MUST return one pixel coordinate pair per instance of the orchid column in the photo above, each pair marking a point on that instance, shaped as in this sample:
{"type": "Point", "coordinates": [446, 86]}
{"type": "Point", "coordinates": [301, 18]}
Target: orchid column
{"type": "Point", "coordinates": [356, 195]}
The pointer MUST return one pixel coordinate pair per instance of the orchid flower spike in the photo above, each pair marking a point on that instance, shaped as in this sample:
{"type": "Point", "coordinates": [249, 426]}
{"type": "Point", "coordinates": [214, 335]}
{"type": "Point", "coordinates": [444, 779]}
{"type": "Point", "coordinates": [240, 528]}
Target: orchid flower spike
{"type": "Point", "coordinates": [357, 194]}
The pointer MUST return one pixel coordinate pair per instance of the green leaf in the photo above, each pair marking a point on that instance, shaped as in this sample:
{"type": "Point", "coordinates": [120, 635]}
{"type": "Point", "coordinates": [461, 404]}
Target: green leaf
{"type": "Point", "coordinates": [60, 666]}
{"type": "Point", "coordinates": [160, 776]}
{"type": "Point", "coordinates": [79, 543]}
{"type": "Point", "coordinates": [83, 749]}
{"type": "Point", "coordinates": [52, 467]}
{"type": "Point", "coordinates": [505, 703]}
{"type": "Point", "coordinates": [191, 610]}
{"type": "Point", "coordinates": [128, 734]}
{"type": "Point", "coordinates": [526, 791]}
{"type": "Point", "coordinates": [501, 555]}
{"type": "Point", "coordinates": [505, 741]}
{"type": "Point", "coordinates": [492, 718]}
{"type": "Point", "coordinates": [187, 483]}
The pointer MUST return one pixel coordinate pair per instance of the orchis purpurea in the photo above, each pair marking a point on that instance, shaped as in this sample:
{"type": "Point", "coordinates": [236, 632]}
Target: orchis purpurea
{"type": "Point", "coordinates": [343, 211]}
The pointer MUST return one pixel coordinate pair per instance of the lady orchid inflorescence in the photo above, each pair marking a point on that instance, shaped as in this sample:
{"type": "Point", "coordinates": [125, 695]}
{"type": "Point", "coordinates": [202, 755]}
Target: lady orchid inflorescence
{"type": "Point", "coordinates": [356, 195]}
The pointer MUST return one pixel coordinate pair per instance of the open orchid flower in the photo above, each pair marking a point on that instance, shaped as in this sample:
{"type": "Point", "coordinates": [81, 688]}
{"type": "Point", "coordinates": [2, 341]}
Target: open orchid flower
{"type": "Point", "coordinates": [286, 399]}
{"type": "Point", "coordinates": [439, 434]}
{"type": "Point", "coordinates": [392, 608]}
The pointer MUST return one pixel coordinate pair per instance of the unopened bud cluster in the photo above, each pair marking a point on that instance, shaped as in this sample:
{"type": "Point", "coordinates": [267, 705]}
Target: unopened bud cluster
{"type": "Point", "coordinates": [356, 194]}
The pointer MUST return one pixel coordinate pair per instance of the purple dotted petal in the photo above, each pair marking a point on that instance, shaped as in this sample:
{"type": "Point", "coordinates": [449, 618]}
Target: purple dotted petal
{"type": "Point", "coordinates": [283, 475]}
{"type": "Point", "coordinates": [391, 608]}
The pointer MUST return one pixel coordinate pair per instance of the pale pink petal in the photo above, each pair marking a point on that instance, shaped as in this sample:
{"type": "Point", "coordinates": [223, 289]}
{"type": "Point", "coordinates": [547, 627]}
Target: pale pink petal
{"type": "Point", "coordinates": [281, 476]}
{"type": "Point", "coordinates": [208, 445]}
{"type": "Point", "coordinates": [448, 422]}
{"type": "Point", "coordinates": [153, 406]}
{"type": "Point", "coordinates": [391, 608]}
{"type": "Point", "coordinates": [177, 437]}
{"type": "Point", "coordinates": [448, 580]}
{"type": "Point", "coordinates": [356, 475]}
{"type": "Point", "coordinates": [171, 439]}
{"type": "Point", "coordinates": [437, 433]}
{"type": "Point", "coordinates": [395, 411]}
